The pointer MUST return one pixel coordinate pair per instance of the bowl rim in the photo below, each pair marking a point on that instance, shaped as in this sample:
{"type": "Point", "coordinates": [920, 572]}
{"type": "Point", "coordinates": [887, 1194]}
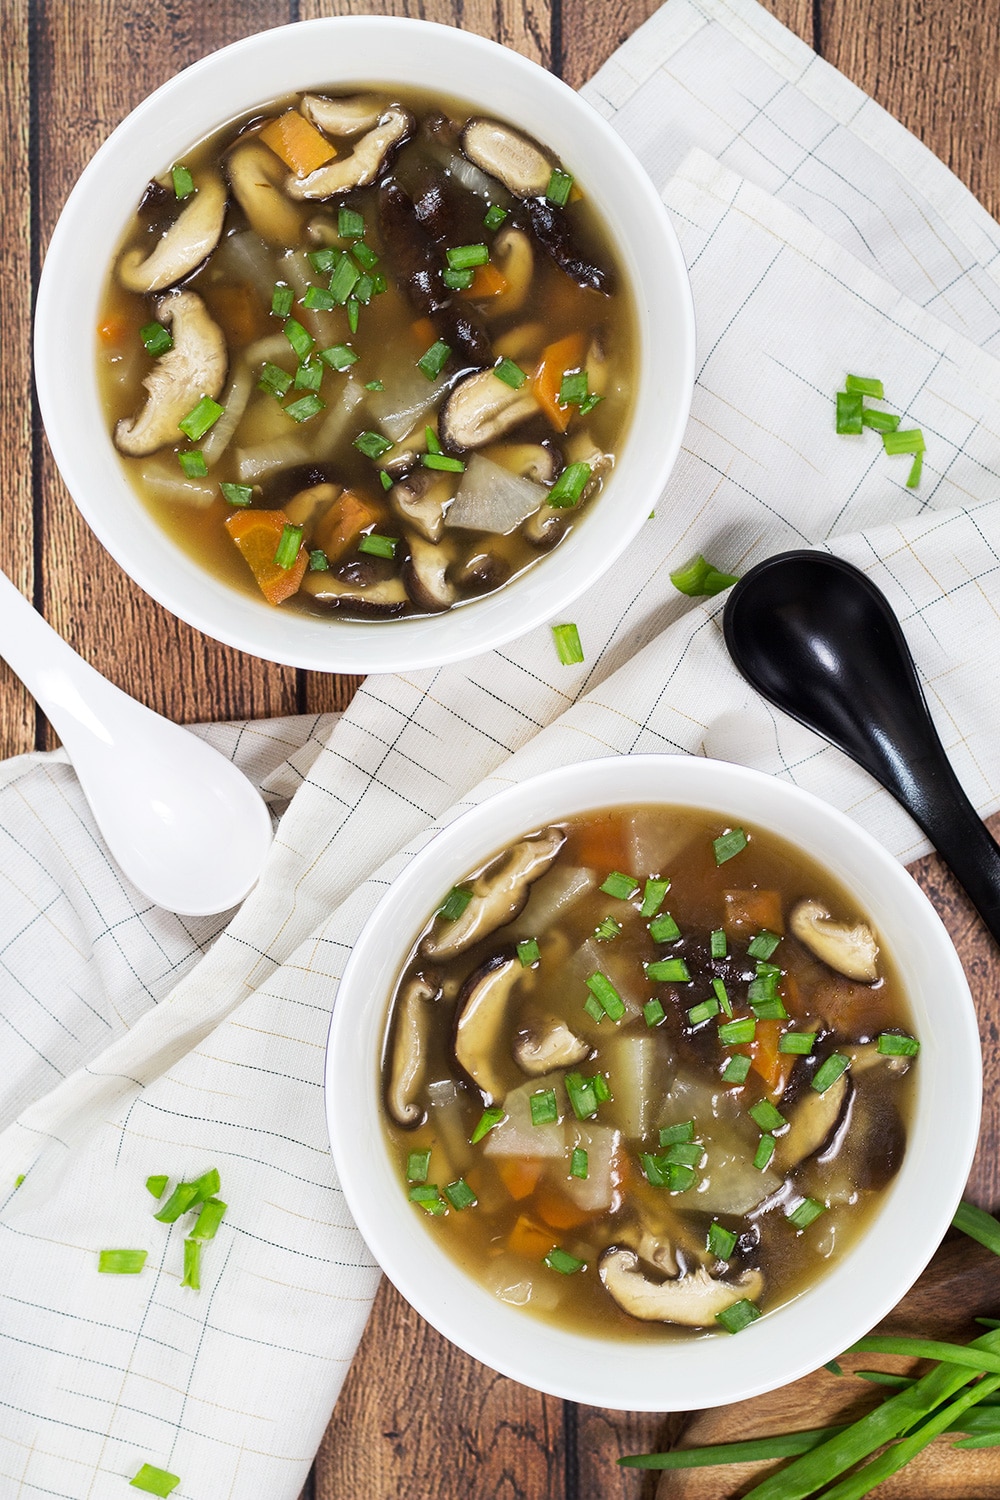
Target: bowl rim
{"type": "Point", "coordinates": [95, 213]}
{"type": "Point", "coordinates": [798, 1336]}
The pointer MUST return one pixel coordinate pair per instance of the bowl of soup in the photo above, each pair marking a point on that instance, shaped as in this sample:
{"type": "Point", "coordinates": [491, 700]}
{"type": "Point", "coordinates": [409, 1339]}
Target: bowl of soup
{"type": "Point", "coordinates": [364, 344]}
{"type": "Point", "coordinates": [653, 1082]}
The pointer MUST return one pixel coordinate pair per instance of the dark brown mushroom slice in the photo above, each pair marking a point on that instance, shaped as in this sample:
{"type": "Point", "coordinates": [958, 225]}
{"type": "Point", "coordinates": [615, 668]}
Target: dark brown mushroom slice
{"type": "Point", "coordinates": [811, 1123]}
{"type": "Point", "coordinates": [554, 234]}
{"type": "Point", "coordinates": [481, 409]}
{"type": "Point", "coordinates": [482, 572]}
{"type": "Point", "coordinates": [370, 160]}
{"type": "Point", "coordinates": [381, 600]}
{"type": "Point", "coordinates": [480, 1015]}
{"type": "Point", "coordinates": [425, 577]}
{"type": "Point", "coordinates": [547, 1045]}
{"type": "Point", "coordinates": [411, 1029]}
{"type": "Point", "coordinates": [498, 894]}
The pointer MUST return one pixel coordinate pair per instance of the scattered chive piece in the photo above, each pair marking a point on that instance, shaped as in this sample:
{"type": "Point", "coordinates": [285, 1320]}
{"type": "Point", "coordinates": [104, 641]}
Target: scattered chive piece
{"type": "Point", "coordinates": [487, 1120]}
{"type": "Point", "coordinates": [805, 1213]}
{"type": "Point", "coordinates": [528, 952]}
{"type": "Point", "coordinates": [764, 1114]}
{"type": "Point", "coordinates": [569, 486]}
{"type": "Point", "coordinates": [866, 386]}
{"type": "Point", "coordinates": [849, 408]}
{"type": "Point", "coordinates": [656, 1169]}
{"type": "Point", "coordinates": [736, 1069]}
{"type": "Point", "coordinates": [121, 1262]}
{"type": "Point", "coordinates": [323, 260]}
{"type": "Point", "coordinates": [428, 1197]}
{"type": "Point", "coordinates": [385, 480]}
{"type": "Point", "coordinates": [722, 995]}
{"type": "Point", "coordinates": [619, 885]}
{"type": "Point", "coordinates": [680, 1178]}
{"type": "Point", "coordinates": [685, 1153]}
{"type": "Point", "coordinates": [601, 1089]}
{"type": "Point", "coordinates": [704, 1011]}
{"type": "Point", "coordinates": [274, 379]}
{"type": "Point", "coordinates": [719, 946]}
{"type": "Point", "coordinates": [460, 1195]}
{"type": "Point", "coordinates": [652, 897]}
{"type": "Point", "coordinates": [155, 1481]}
{"type": "Point", "coordinates": [213, 1211]}
{"type": "Point", "coordinates": [561, 1260]}
{"type": "Point", "coordinates": [769, 1008]}
{"type": "Point", "coordinates": [353, 313]}
{"type": "Point", "coordinates": [916, 469]}
{"type": "Point", "coordinates": [205, 1186]}
{"type": "Point", "coordinates": [374, 385]}
{"type": "Point", "coordinates": [798, 1043]}
{"type": "Point", "coordinates": [784, 1445]}
{"type": "Point", "coordinates": [879, 421]}
{"type": "Point", "coordinates": [183, 181]}
{"type": "Point", "coordinates": [894, 1044]}
{"type": "Point", "coordinates": [309, 376]}
{"type": "Point", "coordinates": [698, 577]}
{"type": "Point", "coordinates": [339, 356]}
{"type": "Point", "coordinates": [834, 1368]}
{"type": "Point", "coordinates": [544, 1109]}
{"type": "Point", "coordinates": [464, 257]}
{"type": "Point", "coordinates": [305, 407]}
{"type": "Point", "coordinates": [281, 300]}
{"type": "Point", "coordinates": [157, 1185]}
{"type": "Point", "coordinates": [587, 405]}
{"type": "Point", "coordinates": [287, 550]}
{"type": "Point", "coordinates": [910, 441]}
{"type": "Point", "coordinates": [607, 930]}
{"type": "Point", "coordinates": [455, 903]}
{"type": "Point", "coordinates": [559, 188]}
{"type": "Point", "coordinates": [443, 461]}
{"type": "Point", "coordinates": [981, 1226]}
{"type": "Point", "coordinates": [721, 1241]}
{"type": "Point", "coordinates": [156, 338]}
{"type": "Point", "coordinates": [653, 1012]}
{"type": "Point", "coordinates": [579, 1164]}
{"type": "Point", "coordinates": [830, 1071]}
{"type": "Point", "coordinates": [236, 494]}
{"type": "Point", "coordinates": [318, 561]}
{"type": "Point", "coordinates": [432, 440]}
{"type": "Point", "coordinates": [603, 990]}
{"type": "Point", "coordinates": [456, 281]}
{"type": "Point", "coordinates": [668, 971]}
{"type": "Point", "coordinates": [568, 647]}
{"type": "Point", "coordinates": [728, 844]}
{"type": "Point", "coordinates": [738, 1316]}
{"type": "Point", "coordinates": [300, 338]}
{"type": "Point", "coordinates": [365, 256]}
{"type": "Point", "coordinates": [364, 289]}
{"type": "Point", "coordinates": [764, 1152]}
{"type": "Point", "coordinates": [735, 1033]}
{"type": "Point", "coordinates": [379, 546]}
{"type": "Point", "coordinates": [582, 1095]}
{"type": "Point", "coordinates": [192, 1265]}
{"type": "Point", "coordinates": [193, 464]}
{"type": "Point", "coordinates": [510, 373]}
{"type": "Point", "coordinates": [594, 1009]}
{"type": "Point", "coordinates": [350, 224]}
{"type": "Point", "coordinates": [418, 1164]}
{"type": "Point", "coordinates": [763, 945]}
{"type": "Point", "coordinates": [318, 299]}
{"type": "Point", "coordinates": [344, 279]}
{"type": "Point", "coordinates": [372, 444]}
{"type": "Point", "coordinates": [434, 359]}
{"type": "Point", "coordinates": [495, 215]}
{"type": "Point", "coordinates": [664, 929]}
{"type": "Point", "coordinates": [672, 1135]}
{"type": "Point", "coordinates": [572, 388]}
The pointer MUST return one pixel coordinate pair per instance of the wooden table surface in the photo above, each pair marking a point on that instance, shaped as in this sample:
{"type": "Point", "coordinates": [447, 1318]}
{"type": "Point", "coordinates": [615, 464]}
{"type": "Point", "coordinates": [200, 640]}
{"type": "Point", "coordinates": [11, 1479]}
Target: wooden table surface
{"type": "Point", "coordinates": [416, 1419]}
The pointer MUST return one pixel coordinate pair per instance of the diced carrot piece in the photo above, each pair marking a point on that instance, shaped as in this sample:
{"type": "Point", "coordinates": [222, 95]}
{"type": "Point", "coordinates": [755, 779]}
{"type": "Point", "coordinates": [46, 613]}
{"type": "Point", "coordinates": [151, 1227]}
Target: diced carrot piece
{"type": "Point", "coordinates": [565, 354]}
{"type": "Point", "coordinates": [114, 330]}
{"type": "Point", "coordinates": [343, 524]}
{"type": "Point", "coordinates": [239, 310]}
{"type": "Point", "coordinates": [257, 534]}
{"type": "Point", "coordinates": [559, 1211]}
{"type": "Point", "coordinates": [424, 332]}
{"type": "Point", "coordinates": [771, 1065]}
{"type": "Point", "coordinates": [748, 912]}
{"type": "Point", "coordinates": [298, 144]}
{"type": "Point", "coordinates": [527, 1238]}
{"type": "Point", "coordinates": [600, 845]}
{"type": "Point", "coordinates": [519, 1175]}
{"type": "Point", "coordinates": [487, 281]}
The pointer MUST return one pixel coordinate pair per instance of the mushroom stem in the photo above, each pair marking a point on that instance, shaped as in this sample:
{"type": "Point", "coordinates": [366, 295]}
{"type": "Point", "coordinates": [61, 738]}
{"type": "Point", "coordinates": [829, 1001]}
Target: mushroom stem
{"type": "Point", "coordinates": [194, 367]}
{"type": "Point", "coordinates": [409, 1052]}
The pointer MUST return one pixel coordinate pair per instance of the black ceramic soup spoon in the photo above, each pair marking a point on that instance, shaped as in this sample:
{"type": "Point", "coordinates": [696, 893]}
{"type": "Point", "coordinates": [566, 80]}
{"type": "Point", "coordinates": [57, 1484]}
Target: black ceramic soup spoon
{"type": "Point", "coordinates": [814, 636]}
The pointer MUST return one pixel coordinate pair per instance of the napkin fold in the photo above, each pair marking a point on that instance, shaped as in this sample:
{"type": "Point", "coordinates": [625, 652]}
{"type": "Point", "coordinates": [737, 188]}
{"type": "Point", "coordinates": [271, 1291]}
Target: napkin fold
{"type": "Point", "coordinates": [820, 237]}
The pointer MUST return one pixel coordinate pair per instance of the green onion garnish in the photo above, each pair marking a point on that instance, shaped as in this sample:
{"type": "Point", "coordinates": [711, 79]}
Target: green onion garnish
{"type": "Point", "coordinates": [652, 897]}
{"type": "Point", "coordinates": [718, 945]}
{"type": "Point", "coordinates": [601, 1090]}
{"type": "Point", "coordinates": [323, 260]}
{"type": "Point", "coordinates": [867, 387]}
{"type": "Point", "coordinates": [418, 1165]}
{"type": "Point", "coordinates": [879, 421]}
{"type": "Point", "coordinates": [605, 993]}
{"type": "Point", "coordinates": [736, 1069]}
{"type": "Point", "coordinates": [487, 1120]}
{"type": "Point", "coordinates": [664, 929]}
{"type": "Point", "coordinates": [594, 1009]}
{"type": "Point", "coordinates": [698, 577]}
{"type": "Point", "coordinates": [672, 1135]}
{"type": "Point", "coordinates": [157, 1185]}
{"type": "Point", "coordinates": [738, 1316]}
{"type": "Point", "coordinates": [372, 444]}
{"type": "Point", "coordinates": [763, 945]}
{"type": "Point", "coordinates": [916, 469]}
{"type": "Point", "coordinates": [212, 1213]}
{"type": "Point", "coordinates": [155, 1481]}
{"type": "Point", "coordinates": [568, 647]}
{"type": "Point", "coordinates": [428, 1197]}
{"type": "Point", "coordinates": [910, 441]}
{"type": "Point", "coordinates": [722, 995]}
{"type": "Point", "coordinates": [309, 376]}
{"type": "Point", "coordinates": [287, 551]}
{"type": "Point", "coordinates": [364, 289]}
{"type": "Point", "coordinates": [455, 903]}
{"type": "Point", "coordinates": [764, 1152]}
{"type": "Point", "coordinates": [495, 216]}
{"type": "Point", "coordinates": [365, 256]}
{"type": "Point", "coordinates": [305, 407]}
{"type": "Point", "coordinates": [798, 1043]}
{"type": "Point", "coordinates": [460, 1195]}
{"type": "Point", "coordinates": [318, 561]}
{"type": "Point", "coordinates": [721, 1241]}
{"type": "Point", "coordinates": [464, 257]}
{"type": "Point", "coordinates": [273, 379]}
{"type": "Point", "coordinates": [385, 480]}
{"type": "Point", "coordinates": [569, 486]}
{"type": "Point", "coordinates": [736, 1033]}
{"type": "Point", "coordinates": [620, 886]}
{"type": "Point", "coordinates": [704, 1011]}
{"type": "Point", "coordinates": [379, 546]}
{"type": "Point", "coordinates": [339, 356]}
{"type": "Point", "coordinates": [432, 440]}
{"type": "Point", "coordinates": [607, 929]}
{"type": "Point", "coordinates": [653, 1012]}
{"type": "Point", "coordinates": [894, 1044]}
{"type": "Point", "coordinates": [560, 1260]}
{"type": "Point", "coordinates": [353, 313]}
{"type": "Point", "coordinates": [374, 385]}
{"type": "Point", "coordinates": [579, 1163]}
{"type": "Point", "coordinates": [764, 1114]}
{"type": "Point", "coordinates": [510, 373]}
{"type": "Point", "coordinates": [236, 494]}
{"type": "Point", "coordinates": [456, 281]}
{"type": "Point", "coordinates": [680, 1178]}
{"type": "Point", "coordinates": [732, 842]}
{"type": "Point", "coordinates": [183, 181]}
{"type": "Point", "coordinates": [193, 464]}
{"type": "Point", "coordinates": [685, 1153]}
{"type": "Point", "coordinates": [281, 300]}
{"type": "Point", "coordinates": [582, 1095]}
{"type": "Point", "coordinates": [544, 1109]}
{"type": "Point", "coordinates": [668, 971]}
{"type": "Point", "coordinates": [156, 338]}
{"type": "Point", "coordinates": [528, 952]}
{"type": "Point", "coordinates": [121, 1262]}
{"type": "Point", "coordinates": [444, 462]}
{"type": "Point", "coordinates": [559, 188]}
{"type": "Point", "coordinates": [433, 360]}
{"type": "Point", "coordinates": [849, 409]}
{"type": "Point", "coordinates": [318, 299]}
{"type": "Point", "coordinates": [588, 403]}
{"type": "Point", "coordinates": [300, 338]}
{"type": "Point", "coordinates": [572, 388]}
{"type": "Point", "coordinates": [767, 1007]}
{"type": "Point", "coordinates": [350, 224]}
{"type": "Point", "coordinates": [344, 279]}
{"type": "Point", "coordinates": [192, 1265]}
{"type": "Point", "coordinates": [830, 1071]}
{"type": "Point", "coordinates": [656, 1169]}
{"type": "Point", "coordinates": [805, 1213]}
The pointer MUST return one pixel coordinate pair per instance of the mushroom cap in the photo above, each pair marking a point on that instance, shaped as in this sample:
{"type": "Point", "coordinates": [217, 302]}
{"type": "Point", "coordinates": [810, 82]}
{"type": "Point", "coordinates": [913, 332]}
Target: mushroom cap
{"type": "Point", "coordinates": [498, 894]}
{"type": "Point", "coordinates": [479, 1020]}
{"type": "Point", "coordinates": [693, 1300]}
{"type": "Point", "coordinates": [380, 600]}
{"type": "Point", "coordinates": [810, 1123]}
{"type": "Point", "coordinates": [346, 116]}
{"type": "Point", "coordinates": [850, 950]}
{"type": "Point", "coordinates": [482, 408]}
{"type": "Point", "coordinates": [257, 179]}
{"type": "Point", "coordinates": [551, 1044]}
{"type": "Point", "coordinates": [364, 165]}
{"type": "Point", "coordinates": [194, 367]}
{"type": "Point", "coordinates": [508, 155]}
{"type": "Point", "coordinates": [192, 236]}
{"type": "Point", "coordinates": [419, 498]}
{"type": "Point", "coordinates": [425, 576]}
{"type": "Point", "coordinates": [408, 1065]}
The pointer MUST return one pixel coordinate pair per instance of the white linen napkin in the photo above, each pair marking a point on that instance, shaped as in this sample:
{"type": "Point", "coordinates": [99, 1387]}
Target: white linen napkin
{"type": "Point", "coordinates": [821, 238]}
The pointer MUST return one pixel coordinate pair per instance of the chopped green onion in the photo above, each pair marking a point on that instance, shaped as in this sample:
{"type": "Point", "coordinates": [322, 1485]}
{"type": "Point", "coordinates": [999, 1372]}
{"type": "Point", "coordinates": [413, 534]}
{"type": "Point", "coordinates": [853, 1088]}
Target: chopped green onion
{"type": "Point", "coordinates": [703, 1011]}
{"type": "Point", "coordinates": [579, 1163]}
{"type": "Point", "coordinates": [721, 1241]}
{"type": "Point", "coordinates": [236, 494]}
{"type": "Point", "coordinates": [418, 1164]}
{"type": "Point", "coordinates": [155, 1481]}
{"type": "Point", "coordinates": [528, 952]}
{"type": "Point", "coordinates": [672, 1135]}
{"type": "Point", "coordinates": [323, 260]}
{"type": "Point", "coordinates": [604, 991]}
{"type": "Point", "coordinates": [455, 903]}
{"type": "Point", "coordinates": [350, 224]}
{"type": "Point", "coordinates": [192, 1265]}
{"type": "Point", "coordinates": [738, 1315]}
{"type": "Point", "coordinates": [365, 256]}
{"type": "Point", "coordinates": [978, 1225]}
{"type": "Point", "coordinates": [212, 1213]}
{"type": "Point", "coordinates": [432, 440]}
{"type": "Point", "coordinates": [464, 257]}
{"type": "Point", "coordinates": [273, 379]}
{"type": "Point", "coordinates": [569, 486]}
{"type": "Point", "coordinates": [495, 215]}
{"type": "Point", "coordinates": [766, 1116]}
{"type": "Point", "coordinates": [698, 577]}
{"type": "Point", "coordinates": [318, 299]}
{"type": "Point", "coordinates": [830, 1071]}
{"type": "Point", "coordinates": [434, 359]}
{"type": "Point", "coordinates": [572, 388]}
{"type": "Point", "coordinates": [157, 1185]}
{"type": "Point", "coordinates": [594, 1009]}
{"type": "Point", "coordinates": [582, 1095]}
{"type": "Point", "coordinates": [560, 1260]}
{"type": "Point", "coordinates": [379, 546]}
{"type": "Point", "coordinates": [805, 1213]}
{"type": "Point", "coordinates": [680, 1178]}
{"type": "Point", "coordinates": [385, 480]}
{"type": "Point", "coordinates": [763, 945]}
{"type": "Point", "coordinates": [444, 462]}
{"type": "Point", "coordinates": [718, 945]}
{"type": "Point", "coordinates": [587, 406]}
{"type": "Point", "coordinates": [653, 896]}
{"type": "Point", "coordinates": [764, 1152]}
{"type": "Point", "coordinates": [344, 279]}
{"type": "Point", "coordinates": [364, 289]}
{"type": "Point", "coordinates": [749, 1450]}
{"type": "Point", "coordinates": [318, 561]}
{"type": "Point", "coordinates": [281, 300]}
{"type": "Point", "coordinates": [510, 373]}
{"type": "Point", "coordinates": [156, 338]}
{"type": "Point", "coordinates": [798, 1043]}
{"type": "Point", "coordinates": [456, 281]}
{"type": "Point", "coordinates": [206, 1186]}
{"type": "Point", "coordinates": [879, 421]}
{"type": "Point", "coordinates": [728, 844]}
{"type": "Point", "coordinates": [305, 407]}
{"type": "Point", "coordinates": [736, 1033]}
{"type": "Point", "coordinates": [663, 929]}
{"type": "Point", "coordinates": [374, 385]}
{"type": "Point", "coordinates": [867, 386]}
{"type": "Point", "coordinates": [607, 929]}
{"type": "Point", "coordinates": [287, 551]}
{"type": "Point", "coordinates": [653, 1012]}
{"type": "Point", "coordinates": [559, 188]}
{"type": "Point", "coordinates": [488, 1120]}
{"type": "Point", "coordinates": [353, 313]}
{"type": "Point", "coordinates": [300, 338]}
{"type": "Point", "coordinates": [913, 479]}
{"type": "Point", "coordinates": [910, 441]}
{"type": "Point", "coordinates": [193, 464]}
{"type": "Point", "coordinates": [568, 647]}
{"type": "Point", "coordinates": [121, 1262]}
{"type": "Point", "coordinates": [684, 1153]}
{"type": "Point", "coordinates": [767, 1007]}
{"type": "Point", "coordinates": [544, 1109]}
{"type": "Point", "coordinates": [428, 1197]}
{"type": "Point", "coordinates": [372, 444]}
{"type": "Point", "coordinates": [183, 181]}
{"type": "Point", "coordinates": [601, 1090]}
{"type": "Point", "coordinates": [849, 409]}
{"type": "Point", "coordinates": [339, 356]}
{"type": "Point", "coordinates": [620, 886]}
{"type": "Point", "coordinates": [736, 1069]}
{"type": "Point", "coordinates": [668, 971]}
{"type": "Point", "coordinates": [309, 375]}
{"type": "Point", "coordinates": [722, 995]}
{"type": "Point", "coordinates": [460, 1195]}
{"type": "Point", "coordinates": [655, 1168]}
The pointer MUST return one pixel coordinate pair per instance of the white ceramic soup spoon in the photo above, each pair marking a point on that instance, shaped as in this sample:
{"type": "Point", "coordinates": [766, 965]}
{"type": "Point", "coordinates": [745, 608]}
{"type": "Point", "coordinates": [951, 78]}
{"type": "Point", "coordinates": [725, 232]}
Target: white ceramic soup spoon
{"type": "Point", "coordinates": [185, 825]}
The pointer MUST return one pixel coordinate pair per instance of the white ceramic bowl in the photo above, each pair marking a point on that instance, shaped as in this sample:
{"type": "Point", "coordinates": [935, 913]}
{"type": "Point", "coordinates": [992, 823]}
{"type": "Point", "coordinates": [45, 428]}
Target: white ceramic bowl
{"type": "Point", "coordinates": [348, 51]}
{"type": "Point", "coordinates": [857, 1290]}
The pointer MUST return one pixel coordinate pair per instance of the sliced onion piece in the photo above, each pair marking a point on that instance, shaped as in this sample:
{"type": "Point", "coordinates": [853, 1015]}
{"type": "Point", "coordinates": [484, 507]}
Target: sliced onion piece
{"type": "Point", "coordinates": [491, 498]}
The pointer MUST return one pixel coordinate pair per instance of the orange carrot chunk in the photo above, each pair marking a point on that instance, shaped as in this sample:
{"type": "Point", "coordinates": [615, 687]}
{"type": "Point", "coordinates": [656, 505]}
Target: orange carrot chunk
{"type": "Point", "coordinates": [749, 912]}
{"type": "Point", "coordinates": [343, 524]}
{"type": "Point", "coordinates": [565, 354]}
{"type": "Point", "coordinates": [558, 1211]}
{"type": "Point", "coordinates": [527, 1238]}
{"type": "Point", "coordinates": [257, 534]}
{"type": "Point", "coordinates": [298, 144]}
{"type": "Point", "coordinates": [519, 1175]}
{"type": "Point", "coordinates": [487, 281]}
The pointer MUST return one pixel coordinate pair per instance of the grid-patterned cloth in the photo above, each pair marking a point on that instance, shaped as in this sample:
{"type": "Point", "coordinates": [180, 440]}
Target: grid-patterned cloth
{"type": "Point", "coordinates": [820, 238]}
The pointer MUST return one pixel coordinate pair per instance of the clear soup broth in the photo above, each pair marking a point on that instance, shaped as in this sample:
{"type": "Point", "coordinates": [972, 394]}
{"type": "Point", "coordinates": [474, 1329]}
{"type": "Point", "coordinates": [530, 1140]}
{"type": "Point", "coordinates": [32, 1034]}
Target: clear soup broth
{"type": "Point", "coordinates": [646, 1074]}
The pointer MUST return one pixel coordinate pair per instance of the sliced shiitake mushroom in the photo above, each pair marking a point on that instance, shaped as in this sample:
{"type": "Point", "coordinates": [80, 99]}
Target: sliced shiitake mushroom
{"type": "Point", "coordinates": [425, 576]}
{"type": "Point", "coordinates": [549, 1044]}
{"type": "Point", "coordinates": [508, 155]}
{"type": "Point", "coordinates": [381, 599]}
{"type": "Point", "coordinates": [365, 164]}
{"type": "Point", "coordinates": [345, 117]}
{"type": "Point", "coordinates": [194, 367]}
{"type": "Point", "coordinates": [479, 1019]}
{"type": "Point", "coordinates": [481, 409]}
{"type": "Point", "coordinates": [810, 1123]}
{"type": "Point", "coordinates": [257, 178]}
{"type": "Point", "coordinates": [849, 949]}
{"type": "Point", "coordinates": [411, 1032]}
{"type": "Point", "coordinates": [498, 894]}
{"type": "Point", "coordinates": [419, 498]}
{"type": "Point", "coordinates": [192, 236]}
{"type": "Point", "coordinates": [694, 1300]}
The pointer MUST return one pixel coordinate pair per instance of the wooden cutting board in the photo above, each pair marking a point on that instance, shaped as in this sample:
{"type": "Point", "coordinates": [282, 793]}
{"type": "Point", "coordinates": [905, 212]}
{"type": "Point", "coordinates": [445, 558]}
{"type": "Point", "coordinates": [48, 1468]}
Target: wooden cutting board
{"type": "Point", "coordinates": [961, 1283]}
